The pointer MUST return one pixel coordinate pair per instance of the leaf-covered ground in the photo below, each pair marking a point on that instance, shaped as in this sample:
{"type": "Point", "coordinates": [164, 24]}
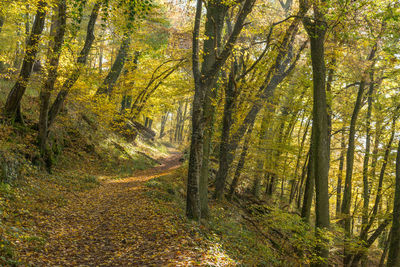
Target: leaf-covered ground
{"type": "Point", "coordinates": [120, 224]}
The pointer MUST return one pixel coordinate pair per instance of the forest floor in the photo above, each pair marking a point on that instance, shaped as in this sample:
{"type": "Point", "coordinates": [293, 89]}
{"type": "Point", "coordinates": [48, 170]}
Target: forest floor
{"type": "Point", "coordinates": [119, 224]}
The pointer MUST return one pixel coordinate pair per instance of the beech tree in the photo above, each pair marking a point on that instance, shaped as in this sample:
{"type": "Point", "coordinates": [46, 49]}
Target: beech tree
{"type": "Point", "coordinates": [204, 80]}
{"type": "Point", "coordinates": [12, 107]}
{"type": "Point", "coordinates": [319, 155]}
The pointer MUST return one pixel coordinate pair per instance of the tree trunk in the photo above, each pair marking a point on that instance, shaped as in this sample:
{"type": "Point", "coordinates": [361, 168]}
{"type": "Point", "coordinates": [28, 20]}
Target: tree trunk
{"type": "Point", "coordinates": [101, 58]}
{"type": "Point", "coordinates": [378, 196]}
{"type": "Point", "coordinates": [309, 188]}
{"type": "Point", "coordinates": [385, 250]}
{"type": "Point", "coordinates": [240, 165]}
{"type": "Point", "coordinates": [81, 61]}
{"type": "Point", "coordinates": [346, 202]}
{"type": "Point", "coordinates": [164, 119]}
{"type": "Point", "coordinates": [370, 241]}
{"type": "Point", "coordinates": [320, 139]}
{"type": "Point", "coordinates": [1, 22]}
{"type": "Point", "coordinates": [126, 103]}
{"type": "Point", "coordinates": [14, 98]}
{"type": "Point", "coordinates": [224, 154]}
{"type": "Point", "coordinates": [340, 174]}
{"type": "Point", "coordinates": [277, 153]}
{"type": "Point", "coordinates": [303, 175]}
{"type": "Point", "coordinates": [274, 77]}
{"type": "Point", "coordinates": [115, 71]}
{"type": "Point", "coordinates": [295, 180]}
{"type": "Point", "coordinates": [366, 190]}
{"type": "Point", "coordinates": [213, 30]}
{"type": "Point", "coordinates": [204, 81]}
{"type": "Point", "coordinates": [209, 114]}
{"type": "Point", "coordinates": [350, 160]}
{"type": "Point", "coordinates": [56, 41]}
{"type": "Point", "coordinates": [195, 155]}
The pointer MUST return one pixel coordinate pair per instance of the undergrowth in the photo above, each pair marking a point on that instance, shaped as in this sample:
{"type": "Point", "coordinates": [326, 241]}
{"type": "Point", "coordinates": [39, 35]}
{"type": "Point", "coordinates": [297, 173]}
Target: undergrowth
{"type": "Point", "coordinates": [273, 238]}
{"type": "Point", "coordinates": [81, 159]}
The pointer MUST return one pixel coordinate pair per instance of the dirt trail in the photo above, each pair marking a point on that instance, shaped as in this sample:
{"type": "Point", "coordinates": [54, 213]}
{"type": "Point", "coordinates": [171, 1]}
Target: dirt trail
{"type": "Point", "coordinates": [115, 224]}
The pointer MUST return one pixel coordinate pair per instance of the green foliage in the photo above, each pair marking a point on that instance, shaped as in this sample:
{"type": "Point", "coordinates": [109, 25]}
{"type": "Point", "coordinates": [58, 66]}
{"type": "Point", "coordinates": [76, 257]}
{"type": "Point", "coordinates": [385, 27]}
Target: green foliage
{"type": "Point", "coordinates": [239, 239]}
{"type": "Point", "coordinates": [7, 254]}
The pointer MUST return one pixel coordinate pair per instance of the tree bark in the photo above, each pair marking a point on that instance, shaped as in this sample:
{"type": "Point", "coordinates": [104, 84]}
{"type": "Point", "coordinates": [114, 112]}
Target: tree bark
{"type": "Point", "coordinates": [309, 188]}
{"type": "Point", "coordinates": [241, 163]}
{"type": "Point", "coordinates": [350, 160]}
{"type": "Point", "coordinates": [340, 174]}
{"type": "Point", "coordinates": [57, 39]}
{"type": "Point", "coordinates": [366, 191]}
{"type": "Point", "coordinates": [1, 22]}
{"type": "Point", "coordinates": [378, 196]}
{"type": "Point", "coordinates": [204, 82]}
{"type": "Point", "coordinates": [303, 175]}
{"type": "Point", "coordinates": [320, 140]}
{"type": "Point", "coordinates": [81, 61]}
{"type": "Point", "coordinates": [370, 241]}
{"type": "Point", "coordinates": [346, 202]}
{"type": "Point", "coordinates": [164, 119]}
{"type": "Point", "coordinates": [195, 156]}
{"type": "Point", "coordinates": [296, 180]}
{"type": "Point", "coordinates": [209, 113]}
{"type": "Point", "coordinates": [14, 98]}
{"type": "Point", "coordinates": [116, 69]}
{"type": "Point", "coordinates": [274, 77]}
{"type": "Point", "coordinates": [385, 250]}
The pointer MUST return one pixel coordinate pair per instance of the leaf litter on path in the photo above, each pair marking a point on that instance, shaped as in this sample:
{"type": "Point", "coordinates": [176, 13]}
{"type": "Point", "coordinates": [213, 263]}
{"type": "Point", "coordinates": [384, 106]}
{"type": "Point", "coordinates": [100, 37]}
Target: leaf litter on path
{"type": "Point", "coordinates": [117, 224]}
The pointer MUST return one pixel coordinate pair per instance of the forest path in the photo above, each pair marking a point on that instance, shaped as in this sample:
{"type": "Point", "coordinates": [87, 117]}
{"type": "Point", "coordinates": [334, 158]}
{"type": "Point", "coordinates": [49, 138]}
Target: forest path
{"type": "Point", "coordinates": [117, 224]}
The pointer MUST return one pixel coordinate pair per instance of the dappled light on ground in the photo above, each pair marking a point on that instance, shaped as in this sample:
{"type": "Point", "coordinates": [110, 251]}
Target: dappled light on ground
{"type": "Point", "coordinates": [117, 224]}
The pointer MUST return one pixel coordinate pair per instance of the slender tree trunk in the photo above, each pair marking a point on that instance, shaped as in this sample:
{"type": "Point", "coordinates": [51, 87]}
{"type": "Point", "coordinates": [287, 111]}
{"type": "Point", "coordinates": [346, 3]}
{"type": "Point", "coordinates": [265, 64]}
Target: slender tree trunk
{"type": "Point", "coordinates": [57, 39]}
{"type": "Point", "coordinates": [2, 19]}
{"type": "Point", "coordinates": [340, 174]}
{"type": "Point", "coordinates": [275, 76]}
{"type": "Point", "coordinates": [14, 98]}
{"type": "Point", "coordinates": [182, 123]}
{"type": "Point", "coordinates": [241, 163]}
{"type": "Point", "coordinates": [81, 61]}
{"type": "Point", "coordinates": [1, 22]}
{"type": "Point", "coordinates": [101, 58]}
{"type": "Point", "coordinates": [374, 160]}
{"type": "Point", "coordinates": [204, 81]}
{"type": "Point", "coordinates": [385, 250]}
{"type": "Point", "coordinates": [378, 197]}
{"type": "Point", "coordinates": [309, 188]}
{"type": "Point", "coordinates": [350, 160]}
{"type": "Point", "coordinates": [225, 155]}
{"type": "Point", "coordinates": [349, 163]}
{"type": "Point", "coordinates": [164, 119]}
{"type": "Point", "coordinates": [346, 202]}
{"type": "Point", "coordinates": [266, 133]}
{"type": "Point", "coordinates": [366, 190]}
{"type": "Point", "coordinates": [329, 81]}
{"type": "Point", "coordinates": [178, 120]}
{"type": "Point", "coordinates": [303, 175]}
{"type": "Point", "coordinates": [116, 69]}
{"type": "Point", "coordinates": [295, 180]}
{"type": "Point", "coordinates": [378, 231]}
{"type": "Point", "coordinates": [277, 153]}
